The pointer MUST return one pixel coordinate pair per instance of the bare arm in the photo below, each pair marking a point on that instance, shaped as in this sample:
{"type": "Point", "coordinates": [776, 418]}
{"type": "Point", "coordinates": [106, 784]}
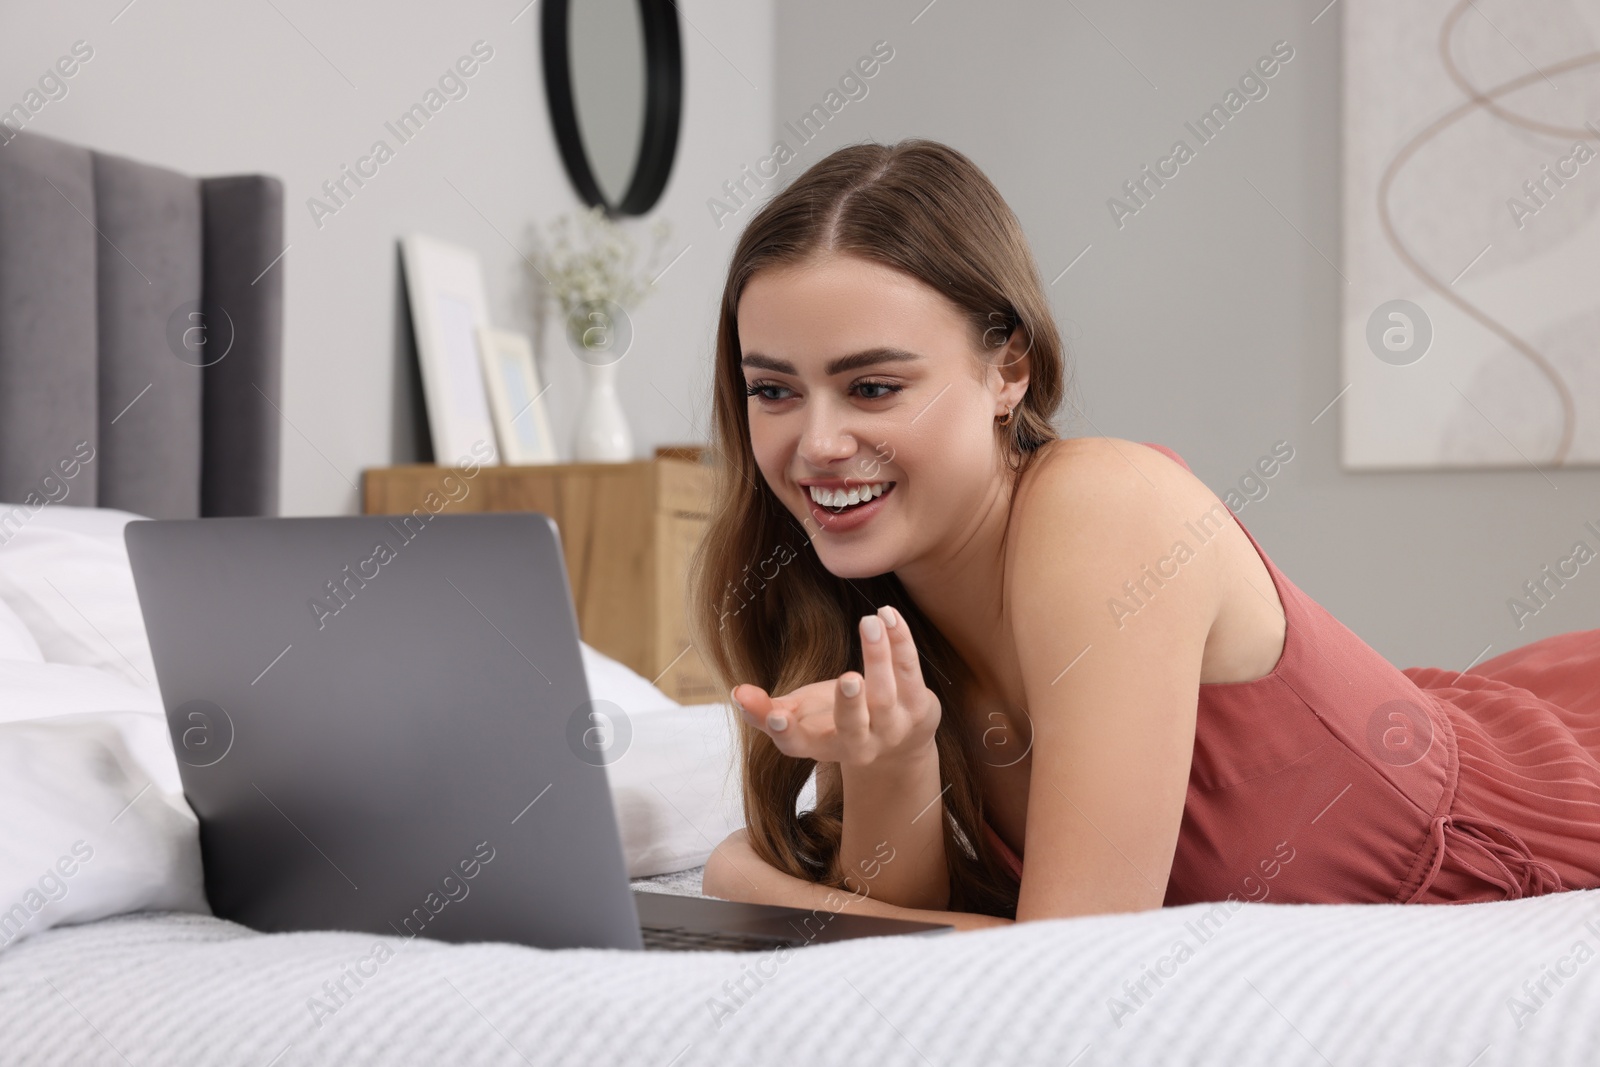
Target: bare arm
{"type": "Point", "coordinates": [892, 844]}
{"type": "Point", "coordinates": [871, 733]}
{"type": "Point", "coordinates": [735, 872]}
{"type": "Point", "coordinates": [893, 834]}
{"type": "Point", "coordinates": [1114, 734]}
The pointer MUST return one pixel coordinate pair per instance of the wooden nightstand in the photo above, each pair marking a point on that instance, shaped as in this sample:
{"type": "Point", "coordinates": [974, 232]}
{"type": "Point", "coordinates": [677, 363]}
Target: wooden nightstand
{"type": "Point", "coordinates": [627, 531]}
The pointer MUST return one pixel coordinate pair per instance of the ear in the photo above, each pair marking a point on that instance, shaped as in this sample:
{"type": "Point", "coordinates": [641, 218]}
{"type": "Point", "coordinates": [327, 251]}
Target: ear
{"type": "Point", "coordinates": [1012, 362]}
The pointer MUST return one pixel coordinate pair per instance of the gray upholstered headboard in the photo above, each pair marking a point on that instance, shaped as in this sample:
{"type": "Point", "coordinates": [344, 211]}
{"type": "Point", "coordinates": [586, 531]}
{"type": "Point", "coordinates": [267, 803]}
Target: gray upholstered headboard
{"type": "Point", "coordinates": [138, 318]}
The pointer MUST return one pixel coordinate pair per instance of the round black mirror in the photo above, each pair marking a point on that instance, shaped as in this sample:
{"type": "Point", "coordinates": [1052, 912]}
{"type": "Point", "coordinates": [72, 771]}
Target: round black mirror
{"type": "Point", "coordinates": [613, 75]}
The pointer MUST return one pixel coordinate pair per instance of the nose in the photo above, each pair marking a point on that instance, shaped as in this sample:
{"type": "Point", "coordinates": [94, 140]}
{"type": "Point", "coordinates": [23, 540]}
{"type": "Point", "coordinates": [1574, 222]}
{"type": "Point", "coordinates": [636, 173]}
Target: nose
{"type": "Point", "coordinates": [824, 441]}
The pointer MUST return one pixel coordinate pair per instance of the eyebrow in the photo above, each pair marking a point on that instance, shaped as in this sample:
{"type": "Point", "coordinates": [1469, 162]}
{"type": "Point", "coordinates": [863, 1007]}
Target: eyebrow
{"type": "Point", "coordinates": [856, 360]}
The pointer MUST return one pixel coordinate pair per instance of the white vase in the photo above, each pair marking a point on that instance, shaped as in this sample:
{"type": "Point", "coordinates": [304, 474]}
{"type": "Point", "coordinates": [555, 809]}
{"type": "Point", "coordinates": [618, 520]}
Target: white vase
{"type": "Point", "coordinates": [602, 434]}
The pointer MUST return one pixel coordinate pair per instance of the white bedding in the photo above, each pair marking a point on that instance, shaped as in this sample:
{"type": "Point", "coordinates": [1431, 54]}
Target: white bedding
{"type": "Point", "coordinates": [83, 747]}
{"type": "Point", "coordinates": [1275, 985]}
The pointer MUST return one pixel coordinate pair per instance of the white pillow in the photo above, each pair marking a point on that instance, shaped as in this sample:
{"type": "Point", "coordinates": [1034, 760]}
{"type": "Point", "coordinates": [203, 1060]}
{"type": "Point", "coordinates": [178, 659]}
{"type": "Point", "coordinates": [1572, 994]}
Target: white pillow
{"type": "Point", "coordinates": [676, 788]}
{"type": "Point", "coordinates": [65, 574]}
{"type": "Point", "coordinates": [89, 737]}
{"type": "Point", "coordinates": [88, 834]}
{"type": "Point", "coordinates": [16, 640]}
{"type": "Point", "coordinates": [620, 684]}
{"type": "Point", "coordinates": [32, 691]}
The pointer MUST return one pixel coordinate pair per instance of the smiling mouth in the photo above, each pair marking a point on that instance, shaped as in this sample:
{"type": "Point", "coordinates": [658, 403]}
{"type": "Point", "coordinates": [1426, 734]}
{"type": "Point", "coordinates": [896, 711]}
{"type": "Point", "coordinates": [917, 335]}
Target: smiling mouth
{"type": "Point", "coordinates": [845, 508]}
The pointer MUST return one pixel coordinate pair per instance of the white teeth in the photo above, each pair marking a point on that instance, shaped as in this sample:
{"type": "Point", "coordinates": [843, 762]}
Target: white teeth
{"type": "Point", "coordinates": [838, 498]}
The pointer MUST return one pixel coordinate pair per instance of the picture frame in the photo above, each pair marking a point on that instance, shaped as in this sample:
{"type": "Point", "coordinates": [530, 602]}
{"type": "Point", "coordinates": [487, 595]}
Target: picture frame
{"type": "Point", "coordinates": [444, 283]}
{"type": "Point", "coordinates": [516, 397]}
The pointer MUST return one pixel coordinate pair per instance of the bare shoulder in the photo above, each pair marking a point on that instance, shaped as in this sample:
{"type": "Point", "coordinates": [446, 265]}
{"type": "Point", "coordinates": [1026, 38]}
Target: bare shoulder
{"type": "Point", "coordinates": [1108, 490]}
{"type": "Point", "coordinates": [1112, 522]}
{"type": "Point", "coordinates": [1098, 460]}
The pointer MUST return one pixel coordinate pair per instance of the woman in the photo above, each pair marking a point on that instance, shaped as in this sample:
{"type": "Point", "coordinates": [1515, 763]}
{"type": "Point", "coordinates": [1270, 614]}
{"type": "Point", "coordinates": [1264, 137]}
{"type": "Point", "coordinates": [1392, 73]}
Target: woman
{"type": "Point", "coordinates": [992, 642]}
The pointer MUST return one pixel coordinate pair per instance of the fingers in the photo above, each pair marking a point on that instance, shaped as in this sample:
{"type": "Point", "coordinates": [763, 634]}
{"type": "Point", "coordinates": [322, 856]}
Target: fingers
{"type": "Point", "coordinates": [878, 666]}
{"type": "Point", "coordinates": [879, 703]}
{"type": "Point", "coordinates": [760, 709]}
{"type": "Point", "coordinates": [773, 716]}
{"type": "Point", "coordinates": [902, 653]}
{"type": "Point", "coordinates": [745, 705]}
{"type": "Point", "coordinates": [851, 718]}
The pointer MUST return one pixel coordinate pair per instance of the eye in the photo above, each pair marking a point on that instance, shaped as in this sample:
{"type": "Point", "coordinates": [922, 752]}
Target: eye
{"type": "Point", "coordinates": [890, 386]}
{"type": "Point", "coordinates": [760, 388]}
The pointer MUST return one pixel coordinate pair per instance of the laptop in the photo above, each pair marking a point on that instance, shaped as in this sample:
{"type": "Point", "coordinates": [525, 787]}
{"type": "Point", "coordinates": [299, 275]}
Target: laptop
{"type": "Point", "coordinates": [383, 724]}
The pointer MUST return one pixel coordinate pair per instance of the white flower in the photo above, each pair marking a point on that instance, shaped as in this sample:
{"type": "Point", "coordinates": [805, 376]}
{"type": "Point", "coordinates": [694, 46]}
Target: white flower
{"type": "Point", "coordinates": [600, 265]}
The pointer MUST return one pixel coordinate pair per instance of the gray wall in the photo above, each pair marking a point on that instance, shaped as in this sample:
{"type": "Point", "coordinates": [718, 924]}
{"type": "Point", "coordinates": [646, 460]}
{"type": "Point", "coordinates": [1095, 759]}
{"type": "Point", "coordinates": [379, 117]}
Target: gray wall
{"type": "Point", "coordinates": [1209, 321]}
{"type": "Point", "coordinates": [298, 89]}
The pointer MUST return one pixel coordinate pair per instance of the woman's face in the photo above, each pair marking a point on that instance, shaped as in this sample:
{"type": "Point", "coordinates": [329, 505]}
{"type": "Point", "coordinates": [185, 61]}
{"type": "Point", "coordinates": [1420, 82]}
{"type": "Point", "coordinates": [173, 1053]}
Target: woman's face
{"type": "Point", "coordinates": [866, 378]}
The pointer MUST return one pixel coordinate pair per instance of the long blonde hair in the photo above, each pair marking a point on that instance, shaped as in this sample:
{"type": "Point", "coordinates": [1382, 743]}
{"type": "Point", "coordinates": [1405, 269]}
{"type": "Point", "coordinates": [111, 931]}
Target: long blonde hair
{"type": "Point", "coordinates": [763, 608]}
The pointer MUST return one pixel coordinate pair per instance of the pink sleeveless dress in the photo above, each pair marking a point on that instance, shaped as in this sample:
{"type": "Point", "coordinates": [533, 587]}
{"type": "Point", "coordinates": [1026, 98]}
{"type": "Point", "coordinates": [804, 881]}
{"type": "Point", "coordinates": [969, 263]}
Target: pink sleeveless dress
{"type": "Point", "coordinates": [1338, 778]}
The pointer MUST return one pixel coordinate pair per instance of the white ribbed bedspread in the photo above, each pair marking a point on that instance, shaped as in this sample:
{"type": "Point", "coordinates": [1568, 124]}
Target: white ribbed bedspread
{"type": "Point", "coordinates": [1352, 985]}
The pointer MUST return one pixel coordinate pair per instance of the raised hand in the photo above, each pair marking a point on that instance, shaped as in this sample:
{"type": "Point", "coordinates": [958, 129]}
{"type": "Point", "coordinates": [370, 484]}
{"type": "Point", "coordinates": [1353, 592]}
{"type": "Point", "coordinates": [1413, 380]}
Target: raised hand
{"type": "Point", "coordinates": [886, 718]}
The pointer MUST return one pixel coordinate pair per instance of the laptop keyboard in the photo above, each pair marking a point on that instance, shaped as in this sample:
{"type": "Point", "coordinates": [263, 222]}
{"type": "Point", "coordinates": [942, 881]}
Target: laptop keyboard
{"type": "Point", "coordinates": [680, 939]}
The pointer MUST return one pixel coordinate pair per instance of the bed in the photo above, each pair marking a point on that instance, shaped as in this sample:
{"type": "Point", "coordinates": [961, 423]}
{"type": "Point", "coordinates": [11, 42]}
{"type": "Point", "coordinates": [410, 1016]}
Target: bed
{"type": "Point", "coordinates": [121, 961]}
